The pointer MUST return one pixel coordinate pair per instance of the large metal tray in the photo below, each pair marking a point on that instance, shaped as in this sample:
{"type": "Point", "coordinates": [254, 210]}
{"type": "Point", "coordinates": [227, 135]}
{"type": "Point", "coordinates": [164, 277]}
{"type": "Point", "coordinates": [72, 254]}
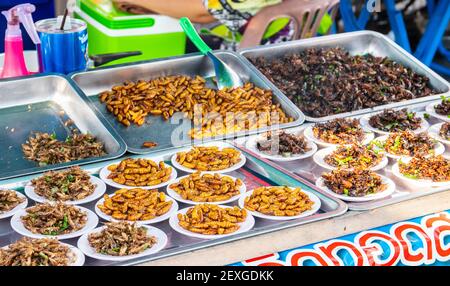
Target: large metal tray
{"type": "Point", "coordinates": [156, 129]}
{"type": "Point", "coordinates": [356, 43]}
{"type": "Point", "coordinates": [310, 171]}
{"type": "Point", "coordinates": [44, 104]}
{"type": "Point", "coordinates": [254, 173]}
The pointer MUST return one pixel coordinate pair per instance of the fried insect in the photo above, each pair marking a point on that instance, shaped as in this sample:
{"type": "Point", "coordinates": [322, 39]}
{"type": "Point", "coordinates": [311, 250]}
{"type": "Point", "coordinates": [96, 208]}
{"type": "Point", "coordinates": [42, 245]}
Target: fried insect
{"type": "Point", "coordinates": [443, 108]}
{"type": "Point", "coordinates": [408, 143]}
{"type": "Point", "coordinates": [288, 144]}
{"type": "Point", "coordinates": [46, 149]}
{"type": "Point", "coordinates": [278, 201]}
{"type": "Point", "coordinates": [139, 172]}
{"type": "Point", "coordinates": [212, 219]}
{"type": "Point", "coordinates": [36, 252]}
{"type": "Point", "coordinates": [444, 132]}
{"type": "Point", "coordinates": [354, 183]}
{"type": "Point", "coordinates": [436, 168]}
{"type": "Point", "coordinates": [9, 200]}
{"type": "Point", "coordinates": [149, 144]}
{"type": "Point", "coordinates": [132, 102]}
{"type": "Point", "coordinates": [135, 204]}
{"type": "Point", "coordinates": [391, 120]}
{"type": "Point", "coordinates": [121, 238]}
{"type": "Point", "coordinates": [209, 158]}
{"type": "Point", "coordinates": [69, 185]}
{"type": "Point", "coordinates": [54, 219]}
{"type": "Point", "coordinates": [199, 187]}
{"type": "Point", "coordinates": [339, 131]}
{"type": "Point", "coordinates": [354, 156]}
{"type": "Point", "coordinates": [327, 81]}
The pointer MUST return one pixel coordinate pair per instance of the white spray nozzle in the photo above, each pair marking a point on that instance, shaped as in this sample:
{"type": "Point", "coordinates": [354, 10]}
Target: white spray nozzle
{"type": "Point", "coordinates": [21, 14]}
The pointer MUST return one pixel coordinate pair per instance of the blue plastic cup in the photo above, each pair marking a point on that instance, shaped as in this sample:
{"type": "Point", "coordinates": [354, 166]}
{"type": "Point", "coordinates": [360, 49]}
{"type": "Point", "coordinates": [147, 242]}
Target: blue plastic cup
{"type": "Point", "coordinates": [63, 51]}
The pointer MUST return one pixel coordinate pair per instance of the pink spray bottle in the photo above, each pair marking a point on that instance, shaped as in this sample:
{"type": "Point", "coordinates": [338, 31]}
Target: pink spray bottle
{"type": "Point", "coordinates": [14, 60]}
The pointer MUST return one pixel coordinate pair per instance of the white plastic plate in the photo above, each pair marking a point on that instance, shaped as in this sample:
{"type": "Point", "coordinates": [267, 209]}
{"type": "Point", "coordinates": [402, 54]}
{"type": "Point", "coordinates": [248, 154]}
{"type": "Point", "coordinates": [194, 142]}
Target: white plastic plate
{"type": "Point", "coordinates": [221, 145]}
{"type": "Point", "coordinates": [88, 250]}
{"type": "Point", "coordinates": [366, 125]}
{"type": "Point", "coordinates": [104, 173]}
{"type": "Point", "coordinates": [416, 182]}
{"type": "Point", "coordinates": [18, 208]}
{"type": "Point", "coordinates": [252, 145]}
{"type": "Point", "coordinates": [319, 158]}
{"type": "Point", "coordinates": [244, 226]}
{"type": "Point", "coordinates": [310, 135]}
{"type": "Point", "coordinates": [389, 190]}
{"type": "Point", "coordinates": [177, 197]}
{"type": "Point", "coordinates": [312, 197]}
{"type": "Point", "coordinates": [98, 192]}
{"type": "Point", "coordinates": [165, 216]}
{"type": "Point", "coordinates": [438, 148]}
{"type": "Point", "coordinates": [17, 225]}
{"type": "Point", "coordinates": [434, 132]}
{"type": "Point", "coordinates": [431, 111]}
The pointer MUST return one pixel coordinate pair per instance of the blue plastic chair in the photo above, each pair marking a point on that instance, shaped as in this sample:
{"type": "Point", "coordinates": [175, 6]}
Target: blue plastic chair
{"type": "Point", "coordinates": [429, 44]}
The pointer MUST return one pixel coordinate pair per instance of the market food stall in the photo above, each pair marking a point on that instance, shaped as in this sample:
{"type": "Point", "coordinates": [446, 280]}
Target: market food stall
{"type": "Point", "coordinates": [150, 164]}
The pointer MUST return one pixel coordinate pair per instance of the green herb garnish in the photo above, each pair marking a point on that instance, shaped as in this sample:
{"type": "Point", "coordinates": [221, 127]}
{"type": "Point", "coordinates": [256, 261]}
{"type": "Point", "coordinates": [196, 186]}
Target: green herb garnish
{"type": "Point", "coordinates": [53, 232]}
{"type": "Point", "coordinates": [54, 190]}
{"type": "Point", "coordinates": [397, 143]}
{"type": "Point", "coordinates": [344, 161]}
{"type": "Point", "coordinates": [64, 224]}
{"type": "Point", "coordinates": [43, 255]}
{"type": "Point", "coordinates": [70, 178]}
{"type": "Point", "coordinates": [366, 160]}
{"type": "Point", "coordinates": [377, 143]}
{"type": "Point", "coordinates": [411, 176]}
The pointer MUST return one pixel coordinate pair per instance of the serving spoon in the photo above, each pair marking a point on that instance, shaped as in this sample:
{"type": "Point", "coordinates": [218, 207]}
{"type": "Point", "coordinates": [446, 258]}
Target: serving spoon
{"type": "Point", "coordinates": [226, 76]}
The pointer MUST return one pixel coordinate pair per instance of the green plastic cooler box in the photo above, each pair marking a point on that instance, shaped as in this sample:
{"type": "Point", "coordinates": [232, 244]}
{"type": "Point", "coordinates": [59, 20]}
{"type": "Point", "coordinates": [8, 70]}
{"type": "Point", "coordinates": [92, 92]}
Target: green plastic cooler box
{"type": "Point", "coordinates": [111, 31]}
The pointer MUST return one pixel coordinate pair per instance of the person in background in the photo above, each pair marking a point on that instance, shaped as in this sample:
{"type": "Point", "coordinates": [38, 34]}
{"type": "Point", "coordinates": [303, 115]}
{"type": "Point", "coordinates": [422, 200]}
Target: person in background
{"type": "Point", "coordinates": [224, 19]}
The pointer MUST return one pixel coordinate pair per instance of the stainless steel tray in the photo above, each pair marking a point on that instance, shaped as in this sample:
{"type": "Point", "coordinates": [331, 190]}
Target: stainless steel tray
{"type": "Point", "coordinates": [254, 173]}
{"type": "Point", "coordinates": [310, 171]}
{"type": "Point", "coordinates": [356, 43]}
{"type": "Point", "coordinates": [44, 104]}
{"type": "Point", "coordinates": [156, 129]}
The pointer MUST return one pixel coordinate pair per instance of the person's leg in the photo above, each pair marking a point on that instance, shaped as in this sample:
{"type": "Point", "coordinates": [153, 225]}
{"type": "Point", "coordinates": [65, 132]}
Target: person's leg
{"type": "Point", "coordinates": [193, 9]}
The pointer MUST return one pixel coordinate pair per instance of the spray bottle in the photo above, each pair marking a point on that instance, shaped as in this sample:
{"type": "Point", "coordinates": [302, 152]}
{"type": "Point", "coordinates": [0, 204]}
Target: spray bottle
{"type": "Point", "coordinates": [14, 60]}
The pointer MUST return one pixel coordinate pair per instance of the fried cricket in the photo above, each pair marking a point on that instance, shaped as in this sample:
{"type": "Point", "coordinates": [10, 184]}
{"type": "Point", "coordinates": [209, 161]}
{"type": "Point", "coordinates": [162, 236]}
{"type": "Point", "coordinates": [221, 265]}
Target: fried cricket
{"type": "Point", "coordinates": [36, 252]}
{"type": "Point", "coordinates": [9, 200]}
{"type": "Point", "coordinates": [121, 239]}
{"type": "Point", "coordinates": [54, 219]}
{"type": "Point", "coordinates": [68, 185]}
{"type": "Point", "coordinates": [46, 149]}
